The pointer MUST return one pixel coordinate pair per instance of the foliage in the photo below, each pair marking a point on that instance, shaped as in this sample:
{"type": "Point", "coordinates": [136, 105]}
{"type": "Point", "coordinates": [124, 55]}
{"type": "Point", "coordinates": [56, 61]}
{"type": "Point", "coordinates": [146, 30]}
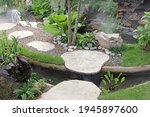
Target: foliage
{"type": "Point", "coordinates": [40, 8]}
{"type": "Point", "coordinates": [110, 82]}
{"type": "Point", "coordinates": [86, 39]}
{"type": "Point", "coordinates": [9, 49]}
{"type": "Point", "coordinates": [131, 93]}
{"type": "Point", "coordinates": [27, 91]}
{"type": "Point", "coordinates": [135, 56]}
{"type": "Point", "coordinates": [144, 32]}
{"type": "Point", "coordinates": [38, 56]}
{"type": "Point", "coordinates": [118, 50]}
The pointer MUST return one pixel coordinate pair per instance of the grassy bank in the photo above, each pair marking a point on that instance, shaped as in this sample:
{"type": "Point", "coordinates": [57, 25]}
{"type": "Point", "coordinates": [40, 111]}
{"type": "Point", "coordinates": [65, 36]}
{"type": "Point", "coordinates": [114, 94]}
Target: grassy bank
{"type": "Point", "coordinates": [135, 56]}
{"type": "Point", "coordinates": [42, 57]}
{"type": "Point", "coordinates": [139, 92]}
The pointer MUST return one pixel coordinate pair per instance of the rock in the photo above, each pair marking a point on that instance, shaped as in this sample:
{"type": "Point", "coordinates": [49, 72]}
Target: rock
{"type": "Point", "coordinates": [24, 23]}
{"type": "Point", "coordinates": [41, 46]}
{"type": "Point", "coordinates": [20, 34]}
{"type": "Point", "coordinates": [70, 50]}
{"type": "Point", "coordinates": [89, 45]}
{"type": "Point", "coordinates": [85, 61]}
{"type": "Point", "coordinates": [33, 24]}
{"type": "Point", "coordinates": [108, 40]}
{"type": "Point", "coordinates": [99, 47]}
{"type": "Point", "coordinates": [59, 42]}
{"type": "Point", "coordinates": [86, 48]}
{"type": "Point", "coordinates": [66, 48]}
{"type": "Point", "coordinates": [55, 42]}
{"type": "Point", "coordinates": [107, 52]}
{"type": "Point", "coordinates": [72, 90]}
{"type": "Point", "coordinates": [65, 45]}
{"type": "Point", "coordinates": [6, 26]}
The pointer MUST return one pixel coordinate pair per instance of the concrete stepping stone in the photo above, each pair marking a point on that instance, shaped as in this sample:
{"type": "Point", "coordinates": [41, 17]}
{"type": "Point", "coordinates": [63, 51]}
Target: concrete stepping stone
{"type": "Point", "coordinates": [41, 46]}
{"type": "Point", "coordinates": [85, 61]}
{"type": "Point", "coordinates": [72, 90]}
{"type": "Point", "coordinates": [20, 34]}
{"type": "Point", "coordinates": [6, 26]}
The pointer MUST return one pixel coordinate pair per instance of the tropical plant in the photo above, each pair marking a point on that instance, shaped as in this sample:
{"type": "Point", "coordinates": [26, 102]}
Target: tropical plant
{"type": "Point", "coordinates": [9, 49]}
{"type": "Point", "coordinates": [144, 32]}
{"type": "Point", "coordinates": [40, 8]}
{"type": "Point", "coordinates": [110, 82]}
{"type": "Point", "coordinates": [27, 91]}
{"type": "Point", "coordinates": [86, 40]}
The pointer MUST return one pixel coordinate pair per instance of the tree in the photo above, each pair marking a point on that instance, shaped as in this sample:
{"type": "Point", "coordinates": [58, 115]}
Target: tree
{"type": "Point", "coordinates": [69, 22]}
{"type": "Point", "coordinates": [76, 24]}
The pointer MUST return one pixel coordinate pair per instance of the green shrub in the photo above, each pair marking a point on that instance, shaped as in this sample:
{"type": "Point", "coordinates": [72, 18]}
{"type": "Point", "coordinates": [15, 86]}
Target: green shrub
{"type": "Point", "coordinates": [9, 49]}
{"type": "Point", "coordinates": [85, 40]}
{"type": "Point", "coordinates": [144, 32]}
{"type": "Point", "coordinates": [40, 8]}
{"type": "Point", "coordinates": [110, 82]}
{"type": "Point", "coordinates": [118, 50]}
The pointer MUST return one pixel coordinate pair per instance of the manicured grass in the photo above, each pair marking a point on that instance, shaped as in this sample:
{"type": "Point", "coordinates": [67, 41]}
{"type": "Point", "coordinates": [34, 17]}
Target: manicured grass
{"type": "Point", "coordinates": [42, 57]}
{"type": "Point", "coordinates": [135, 56]}
{"type": "Point", "coordinates": [139, 92]}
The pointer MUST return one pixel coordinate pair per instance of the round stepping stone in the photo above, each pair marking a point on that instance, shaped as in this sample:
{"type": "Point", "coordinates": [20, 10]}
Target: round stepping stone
{"type": "Point", "coordinates": [6, 26]}
{"type": "Point", "coordinates": [41, 46]}
{"type": "Point", "coordinates": [72, 90]}
{"type": "Point", "coordinates": [85, 61]}
{"type": "Point", "coordinates": [20, 34]}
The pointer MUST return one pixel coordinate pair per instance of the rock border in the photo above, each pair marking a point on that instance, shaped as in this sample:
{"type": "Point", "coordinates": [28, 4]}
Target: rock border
{"type": "Point", "coordinates": [115, 69]}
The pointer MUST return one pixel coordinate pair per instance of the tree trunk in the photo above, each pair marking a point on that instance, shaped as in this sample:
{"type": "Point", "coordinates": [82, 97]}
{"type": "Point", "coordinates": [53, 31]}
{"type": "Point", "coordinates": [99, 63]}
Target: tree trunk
{"type": "Point", "coordinates": [76, 24]}
{"type": "Point", "coordinates": [69, 22]}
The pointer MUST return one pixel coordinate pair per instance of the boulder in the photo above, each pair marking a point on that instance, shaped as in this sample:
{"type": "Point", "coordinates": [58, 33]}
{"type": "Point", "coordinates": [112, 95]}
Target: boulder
{"type": "Point", "coordinates": [108, 40]}
{"type": "Point", "coordinates": [72, 90]}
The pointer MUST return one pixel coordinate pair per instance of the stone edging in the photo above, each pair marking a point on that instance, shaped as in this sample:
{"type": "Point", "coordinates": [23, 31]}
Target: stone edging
{"type": "Point", "coordinates": [115, 69]}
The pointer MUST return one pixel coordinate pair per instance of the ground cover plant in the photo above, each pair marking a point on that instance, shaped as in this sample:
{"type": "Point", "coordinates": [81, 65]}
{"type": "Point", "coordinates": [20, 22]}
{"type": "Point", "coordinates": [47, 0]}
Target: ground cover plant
{"type": "Point", "coordinates": [42, 57]}
{"type": "Point", "coordinates": [138, 92]}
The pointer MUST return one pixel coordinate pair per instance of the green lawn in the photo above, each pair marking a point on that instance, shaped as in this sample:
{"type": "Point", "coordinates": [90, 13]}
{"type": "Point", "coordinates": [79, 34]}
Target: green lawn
{"type": "Point", "coordinates": [135, 56]}
{"type": "Point", "coordinates": [42, 57]}
{"type": "Point", "coordinates": [139, 92]}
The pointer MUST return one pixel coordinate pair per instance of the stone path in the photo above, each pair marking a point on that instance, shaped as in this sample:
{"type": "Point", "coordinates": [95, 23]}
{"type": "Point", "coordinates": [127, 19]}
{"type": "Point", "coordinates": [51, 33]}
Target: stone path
{"type": "Point", "coordinates": [6, 26]}
{"type": "Point", "coordinates": [85, 61]}
{"type": "Point", "coordinates": [72, 90]}
{"type": "Point", "coordinates": [41, 46]}
{"type": "Point", "coordinates": [20, 34]}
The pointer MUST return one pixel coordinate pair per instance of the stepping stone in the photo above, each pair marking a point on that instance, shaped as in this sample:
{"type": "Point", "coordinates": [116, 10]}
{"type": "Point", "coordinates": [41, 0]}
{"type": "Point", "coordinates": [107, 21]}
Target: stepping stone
{"type": "Point", "coordinates": [6, 26]}
{"type": "Point", "coordinates": [23, 23]}
{"type": "Point", "coordinates": [72, 90]}
{"type": "Point", "coordinates": [20, 34]}
{"type": "Point", "coordinates": [85, 61]}
{"type": "Point", "coordinates": [41, 46]}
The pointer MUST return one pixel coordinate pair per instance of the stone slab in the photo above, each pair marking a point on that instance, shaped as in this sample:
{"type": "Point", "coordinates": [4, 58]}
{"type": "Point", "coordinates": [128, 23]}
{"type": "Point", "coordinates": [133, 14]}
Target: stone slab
{"type": "Point", "coordinates": [85, 61]}
{"type": "Point", "coordinates": [72, 90]}
{"type": "Point", "coordinates": [6, 26]}
{"type": "Point", "coordinates": [41, 46]}
{"type": "Point", "coordinates": [20, 34]}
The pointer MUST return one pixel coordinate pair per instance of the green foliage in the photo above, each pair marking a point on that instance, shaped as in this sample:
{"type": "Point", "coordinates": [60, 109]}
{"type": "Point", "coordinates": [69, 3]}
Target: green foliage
{"type": "Point", "coordinates": [27, 91]}
{"type": "Point", "coordinates": [118, 50]}
{"type": "Point", "coordinates": [135, 56]}
{"type": "Point", "coordinates": [9, 49]}
{"type": "Point", "coordinates": [144, 32]}
{"type": "Point", "coordinates": [138, 92]}
{"type": "Point", "coordinates": [40, 8]}
{"type": "Point", "coordinates": [38, 56]}
{"type": "Point", "coordinates": [110, 82]}
{"type": "Point", "coordinates": [85, 40]}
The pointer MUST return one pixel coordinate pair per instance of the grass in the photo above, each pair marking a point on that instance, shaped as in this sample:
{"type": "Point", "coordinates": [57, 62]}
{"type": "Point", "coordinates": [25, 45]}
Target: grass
{"type": "Point", "coordinates": [139, 92]}
{"type": "Point", "coordinates": [135, 56]}
{"type": "Point", "coordinates": [42, 57]}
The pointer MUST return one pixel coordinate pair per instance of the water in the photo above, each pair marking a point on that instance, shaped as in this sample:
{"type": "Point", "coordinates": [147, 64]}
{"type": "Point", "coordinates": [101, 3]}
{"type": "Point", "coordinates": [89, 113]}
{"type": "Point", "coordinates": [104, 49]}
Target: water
{"type": "Point", "coordinates": [54, 77]}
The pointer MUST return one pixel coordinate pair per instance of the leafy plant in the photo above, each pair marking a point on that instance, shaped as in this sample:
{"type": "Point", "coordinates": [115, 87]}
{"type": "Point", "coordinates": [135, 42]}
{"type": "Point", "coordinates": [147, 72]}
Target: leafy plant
{"type": "Point", "coordinates": [9, 49]}
{"type": "Point", "coordinates": [110, 82]}
{"type": "Point", "coordinates": [86, 40]}
{"type": "Point", "coordinates": [40, 8]}
{"type": "Point", "coordinates": [144, 32]}
{"type": "Point", "coordinates": [27, 91]}
{"type": "Point", "coordinates": [118, 50]}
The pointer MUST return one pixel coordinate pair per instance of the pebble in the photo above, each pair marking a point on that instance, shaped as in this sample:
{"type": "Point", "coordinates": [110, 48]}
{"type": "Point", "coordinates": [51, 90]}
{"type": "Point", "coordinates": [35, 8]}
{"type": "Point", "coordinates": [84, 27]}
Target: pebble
{"type": "Point", "coordinates": [99, 47]}
{"type": "Point", "coordinates": [55, 42]}
{"type": "Point", "coordinates": [70, 50]}
{"type": "Point", "coordinates": [86, 48]}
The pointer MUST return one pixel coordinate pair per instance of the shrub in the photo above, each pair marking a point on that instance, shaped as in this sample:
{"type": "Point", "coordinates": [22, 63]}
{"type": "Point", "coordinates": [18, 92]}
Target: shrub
{"type": "Point", "coordinates": [86, 40]}
{"type": "Point", "coordinates": [110, 82]}
{"type": "Point", "coordinates": [144, 32]}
